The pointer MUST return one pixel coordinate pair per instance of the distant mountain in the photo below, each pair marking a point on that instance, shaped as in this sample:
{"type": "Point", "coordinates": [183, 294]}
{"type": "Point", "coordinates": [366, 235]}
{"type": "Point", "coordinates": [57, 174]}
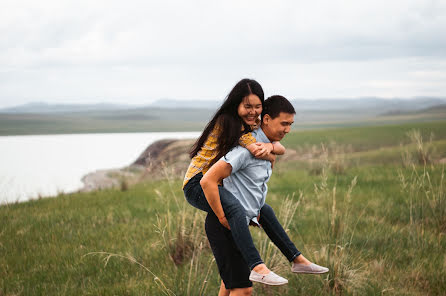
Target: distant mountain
{"type": "Point", "coordinates": [367, 104]}
{"type": "Point", "coordinates": [436, 109]}
{"type": "Point", "coordinates": [370, 106]}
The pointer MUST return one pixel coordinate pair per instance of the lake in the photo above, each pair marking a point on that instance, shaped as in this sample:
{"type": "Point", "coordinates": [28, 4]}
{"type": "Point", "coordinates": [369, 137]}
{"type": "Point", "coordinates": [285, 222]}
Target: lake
{"type": "Point", "coordinates": [33, 166]}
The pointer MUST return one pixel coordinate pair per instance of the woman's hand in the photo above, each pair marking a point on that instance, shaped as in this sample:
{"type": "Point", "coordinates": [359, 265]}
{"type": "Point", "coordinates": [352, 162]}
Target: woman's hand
{"type": "Point", "coordinates": [259, 149]}
{"type": "Point", "coordinates": [224, 222]}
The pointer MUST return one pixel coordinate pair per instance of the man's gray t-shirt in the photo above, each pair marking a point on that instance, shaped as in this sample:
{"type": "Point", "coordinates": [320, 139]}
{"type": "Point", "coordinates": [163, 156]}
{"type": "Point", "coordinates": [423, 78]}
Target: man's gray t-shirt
{"type": "Point", "coordinates": [248, 178]}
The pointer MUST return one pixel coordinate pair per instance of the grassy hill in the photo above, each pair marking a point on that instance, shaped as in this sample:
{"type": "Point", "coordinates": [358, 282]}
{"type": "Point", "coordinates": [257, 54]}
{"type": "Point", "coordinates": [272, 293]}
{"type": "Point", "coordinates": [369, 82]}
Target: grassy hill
{"type": "Point", "coordinates": [368, 202]}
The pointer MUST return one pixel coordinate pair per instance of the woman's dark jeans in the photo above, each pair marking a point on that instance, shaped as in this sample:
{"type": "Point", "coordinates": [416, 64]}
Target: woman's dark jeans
{"type": "Point", "coordinates": [276, 233]}
{"type": "Point", "coordinates": [236, 216]}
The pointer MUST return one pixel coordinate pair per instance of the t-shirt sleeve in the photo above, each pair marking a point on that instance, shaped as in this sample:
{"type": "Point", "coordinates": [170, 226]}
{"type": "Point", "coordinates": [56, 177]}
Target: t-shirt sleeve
{"type": "Point", "coordinates": [246, 139]}
{"type": "Point", "coordinates": [238, 158]}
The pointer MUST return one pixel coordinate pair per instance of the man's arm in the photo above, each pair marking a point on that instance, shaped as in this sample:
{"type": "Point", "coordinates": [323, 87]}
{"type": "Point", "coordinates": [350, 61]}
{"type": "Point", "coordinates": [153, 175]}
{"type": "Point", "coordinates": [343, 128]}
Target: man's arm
{"type": "Point", "coordinates": [209, 184]}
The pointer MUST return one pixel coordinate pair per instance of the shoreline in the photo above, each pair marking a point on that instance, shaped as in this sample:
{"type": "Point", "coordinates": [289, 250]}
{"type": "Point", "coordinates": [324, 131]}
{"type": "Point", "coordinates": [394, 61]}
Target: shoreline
{"type": "Point", "coordinates": [171, 154]}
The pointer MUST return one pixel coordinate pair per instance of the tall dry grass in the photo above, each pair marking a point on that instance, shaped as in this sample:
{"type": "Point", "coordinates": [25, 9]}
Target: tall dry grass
{"type": "Point", "coordinates": [331, 156]}
{"type": "Point", "coordinates": [106, 256]}
{"type": "Point", "coordinates": [185, 253]}
{"type": "Point", "coordinates": [182, 236]}
{"type": "Point", "coordinates": [423, 152]}
{"type": "Point", "coordinates": [348, 270]}
{"type": "Point", "coordinates": [424, 187]}
{"type": "Point", "coordinates": [271, 255]}
{"type": "Point", "coordinates": [334, 225]}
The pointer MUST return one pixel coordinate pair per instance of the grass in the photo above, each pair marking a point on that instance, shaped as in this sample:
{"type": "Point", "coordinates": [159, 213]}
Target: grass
{"type": "Point", "coordinates": [378, 225]}
{"type": "Point", "coordinates": [176, 120]}
{"type": "Point", "coordinates": [49, 126]}
{"type": "Point", "coordinates": [366, 138]}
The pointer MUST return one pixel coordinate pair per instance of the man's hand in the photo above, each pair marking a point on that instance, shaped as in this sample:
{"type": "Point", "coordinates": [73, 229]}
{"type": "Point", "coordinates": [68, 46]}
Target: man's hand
{"type": "Point", "coordinates": [224, 222]}
{"type": "Point", "coordinates": [209, 184]}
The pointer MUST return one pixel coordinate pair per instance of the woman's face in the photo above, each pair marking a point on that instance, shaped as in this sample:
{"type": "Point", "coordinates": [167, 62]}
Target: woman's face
{"type": "Point", "coordinates": [249, 109]}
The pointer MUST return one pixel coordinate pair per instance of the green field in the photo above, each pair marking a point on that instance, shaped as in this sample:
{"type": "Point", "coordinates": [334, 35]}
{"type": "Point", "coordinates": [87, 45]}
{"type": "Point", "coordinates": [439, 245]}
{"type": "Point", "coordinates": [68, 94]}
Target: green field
{"type": "Point", "coordinates": [123, 121]}
{"type": "Point", "coordinates": [187, 119]}
{"type": "Point", "coordinates": [368, 202]}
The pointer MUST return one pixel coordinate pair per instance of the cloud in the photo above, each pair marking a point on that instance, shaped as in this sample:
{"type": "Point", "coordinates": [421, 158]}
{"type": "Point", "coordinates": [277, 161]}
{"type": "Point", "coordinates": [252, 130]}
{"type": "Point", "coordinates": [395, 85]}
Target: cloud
{"type": "Point", "coordinates": [114, 49]}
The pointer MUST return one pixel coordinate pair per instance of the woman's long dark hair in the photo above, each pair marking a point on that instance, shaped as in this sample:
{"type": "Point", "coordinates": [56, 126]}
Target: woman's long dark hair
{"type": "Point", "coordinates": [228, 119]}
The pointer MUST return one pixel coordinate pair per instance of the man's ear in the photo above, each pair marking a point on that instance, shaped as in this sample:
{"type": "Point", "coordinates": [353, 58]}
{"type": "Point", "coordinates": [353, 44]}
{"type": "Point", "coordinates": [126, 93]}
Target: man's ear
{"type": "Point", "coordinates": [266, 119]}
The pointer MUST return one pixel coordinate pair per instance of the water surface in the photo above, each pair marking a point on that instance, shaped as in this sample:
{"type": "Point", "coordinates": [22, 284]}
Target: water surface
{"type": "Point", "coordinates": [32, 166]}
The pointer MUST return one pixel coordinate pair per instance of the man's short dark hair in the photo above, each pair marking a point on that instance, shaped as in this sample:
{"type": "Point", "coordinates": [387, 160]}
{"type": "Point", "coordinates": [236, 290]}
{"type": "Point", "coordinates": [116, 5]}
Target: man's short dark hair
{"type": "Point", "coordinates": [276, 104]}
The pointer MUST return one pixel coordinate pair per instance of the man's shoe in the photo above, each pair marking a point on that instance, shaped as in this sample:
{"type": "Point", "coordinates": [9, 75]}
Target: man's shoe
{"type": "Point", "coordinates": [268, 279]}
{"type": "Point", "coordinates": [312, 268]}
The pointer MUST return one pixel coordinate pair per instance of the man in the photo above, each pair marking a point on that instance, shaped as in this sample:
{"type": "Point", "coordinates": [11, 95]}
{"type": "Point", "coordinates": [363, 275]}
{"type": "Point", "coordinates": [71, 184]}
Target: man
{"type": "Point", "coordinates": [245, 177]}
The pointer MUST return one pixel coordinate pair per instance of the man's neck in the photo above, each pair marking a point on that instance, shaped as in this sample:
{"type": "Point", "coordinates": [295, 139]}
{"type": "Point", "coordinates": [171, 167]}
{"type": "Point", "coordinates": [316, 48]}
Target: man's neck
{"type": "Point", "coordinates": [265, 132]}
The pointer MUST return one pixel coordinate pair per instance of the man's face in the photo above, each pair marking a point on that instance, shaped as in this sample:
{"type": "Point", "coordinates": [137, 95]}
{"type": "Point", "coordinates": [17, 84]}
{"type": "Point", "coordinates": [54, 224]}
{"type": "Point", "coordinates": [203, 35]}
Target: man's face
{"type": "Point", "coordinates": [275, 129]}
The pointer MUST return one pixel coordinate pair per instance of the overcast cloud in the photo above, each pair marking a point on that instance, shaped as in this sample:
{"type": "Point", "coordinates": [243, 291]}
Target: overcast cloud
{"type": "Point", "coordinates": [139, 51]}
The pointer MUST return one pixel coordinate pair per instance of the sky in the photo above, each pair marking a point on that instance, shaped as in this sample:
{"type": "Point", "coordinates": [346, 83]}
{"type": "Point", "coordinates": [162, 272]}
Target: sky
{"type": "Point", "coordinates": [136, 52]}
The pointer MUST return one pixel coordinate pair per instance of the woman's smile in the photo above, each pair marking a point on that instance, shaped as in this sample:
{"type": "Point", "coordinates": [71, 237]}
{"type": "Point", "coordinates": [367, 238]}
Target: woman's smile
{"type": "Point", "coordinates": [250, 109]}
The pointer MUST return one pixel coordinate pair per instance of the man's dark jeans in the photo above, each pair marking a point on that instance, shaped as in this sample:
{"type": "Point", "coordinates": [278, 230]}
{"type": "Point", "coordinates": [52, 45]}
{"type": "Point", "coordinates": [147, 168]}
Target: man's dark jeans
{"type": "Point", "coordinates": [236, 216]}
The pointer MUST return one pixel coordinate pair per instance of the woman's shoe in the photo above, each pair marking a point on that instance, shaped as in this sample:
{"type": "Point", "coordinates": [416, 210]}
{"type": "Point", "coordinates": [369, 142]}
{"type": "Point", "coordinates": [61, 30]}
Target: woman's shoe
{"type": "Point", "coordinates": [312, 268]}
{"type": "Point", "coordinates": [268, 279]}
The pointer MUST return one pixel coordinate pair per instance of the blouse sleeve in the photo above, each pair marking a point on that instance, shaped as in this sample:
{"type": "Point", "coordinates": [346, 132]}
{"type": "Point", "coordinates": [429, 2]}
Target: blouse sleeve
{"type": "Point", "coordinates": [246, 139]}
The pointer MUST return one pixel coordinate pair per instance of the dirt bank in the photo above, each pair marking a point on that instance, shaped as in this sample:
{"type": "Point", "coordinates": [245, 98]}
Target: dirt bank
{"type": "Point", "coordinates": [158, 159]}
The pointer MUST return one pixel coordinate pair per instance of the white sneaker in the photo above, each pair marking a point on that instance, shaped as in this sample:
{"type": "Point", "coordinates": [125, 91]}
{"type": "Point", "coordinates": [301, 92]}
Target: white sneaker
{"type": "Point", "coordinates": [312, 268]}
{"type": "Point", "coordinates": [268, 279]}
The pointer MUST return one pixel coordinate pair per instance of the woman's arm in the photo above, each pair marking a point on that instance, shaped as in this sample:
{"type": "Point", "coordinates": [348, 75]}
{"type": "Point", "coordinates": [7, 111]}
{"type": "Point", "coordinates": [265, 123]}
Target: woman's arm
{"type": "Point", "coordinates": [261, 150]}
{"type": "Point", "coordinates": [279, 149]}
